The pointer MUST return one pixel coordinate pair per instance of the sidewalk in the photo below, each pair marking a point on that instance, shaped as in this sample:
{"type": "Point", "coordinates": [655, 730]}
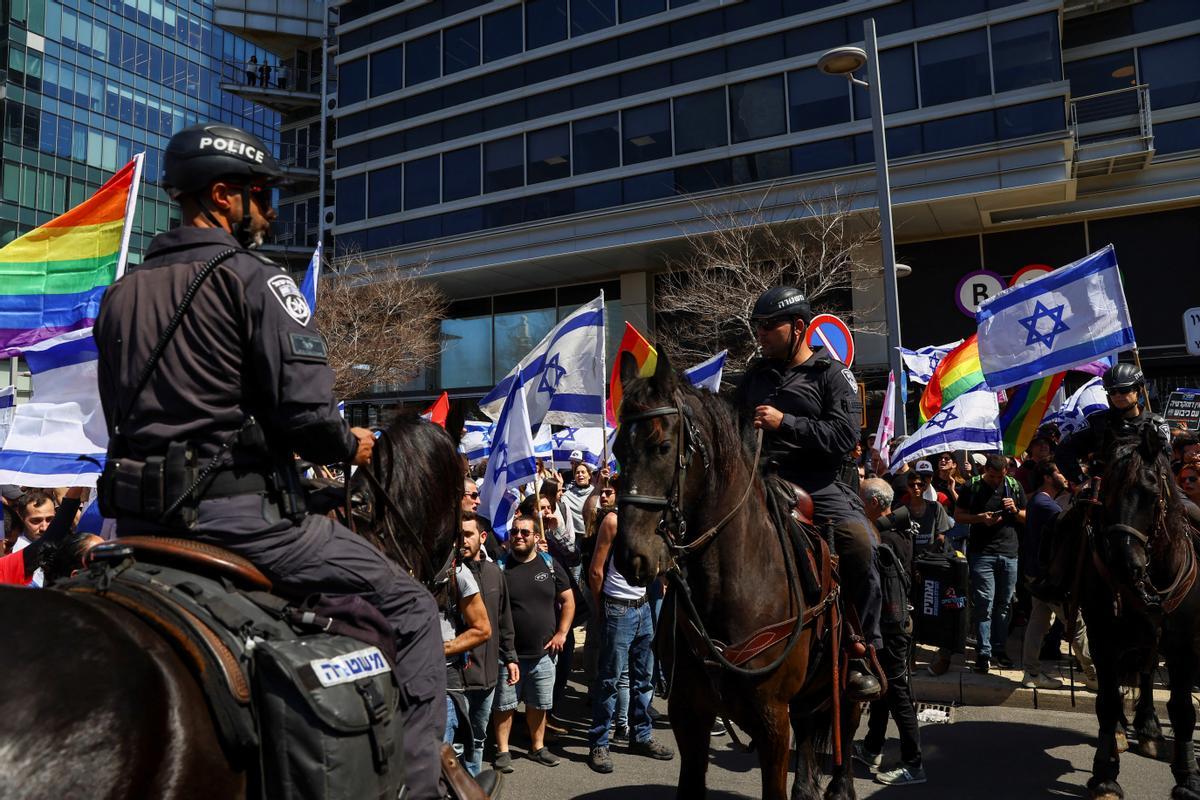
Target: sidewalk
{"type": "Point", "coordinates": [1002, 687]}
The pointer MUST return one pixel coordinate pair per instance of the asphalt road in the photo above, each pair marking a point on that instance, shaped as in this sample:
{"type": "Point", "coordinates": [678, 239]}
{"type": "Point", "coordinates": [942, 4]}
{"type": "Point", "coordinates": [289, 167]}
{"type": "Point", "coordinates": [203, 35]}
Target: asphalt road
{"type": "Point", "coordinates": [985, 753]}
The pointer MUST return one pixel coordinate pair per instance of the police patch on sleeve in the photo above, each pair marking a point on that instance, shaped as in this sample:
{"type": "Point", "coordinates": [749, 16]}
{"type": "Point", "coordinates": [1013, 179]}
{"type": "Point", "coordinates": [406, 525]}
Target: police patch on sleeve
{"type": "Point", "coordinates": [288, 295]}
{"type": "Point", "coordinates": [849, 376]}
{"type": "Point", "coordinates": [308, 346]}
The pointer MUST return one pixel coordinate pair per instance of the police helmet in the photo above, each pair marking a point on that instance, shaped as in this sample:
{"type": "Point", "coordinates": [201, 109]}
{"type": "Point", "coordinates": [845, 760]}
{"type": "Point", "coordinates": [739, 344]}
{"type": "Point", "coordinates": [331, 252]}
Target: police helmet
{"type": "Point", "coordinates": [782, 301]}
{"type": "Point", "coordinates": [1123, 378]}
{"type": "Point", "coordinates": [198, 155]}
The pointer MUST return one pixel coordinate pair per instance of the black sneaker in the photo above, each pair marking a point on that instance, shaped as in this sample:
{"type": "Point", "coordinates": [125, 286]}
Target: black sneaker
{"type": "Point", "coordinates": [652, 749]}
{"type": "Point", "coordinates": [620, 732]}
{"type": "Point", "coordinates": [718, 728]}
{"type": "Point", "coordinates": [544, 757]}
{"type": "Point", "coordinates": [503, 762]}
{"type": "Point", "coordinates": [600, 760]}
{"type": "Point", "coordinates": [982, 664]}
{"type": "Point", "coordinates": [1003, 661]}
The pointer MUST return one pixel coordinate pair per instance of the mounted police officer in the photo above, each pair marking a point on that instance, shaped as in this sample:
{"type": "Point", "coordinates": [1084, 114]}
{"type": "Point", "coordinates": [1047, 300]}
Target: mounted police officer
{"type": "Point", "coordinates": [1124, 416]}
{"type": "Point", "coordinates": [206, 404]}
{"type": "Point", "coordinates": [808, 408]}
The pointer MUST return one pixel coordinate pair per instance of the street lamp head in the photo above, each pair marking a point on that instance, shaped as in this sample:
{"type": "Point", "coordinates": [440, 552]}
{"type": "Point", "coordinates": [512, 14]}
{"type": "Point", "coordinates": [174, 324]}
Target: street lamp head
{"type": "Point", "coordinates": [842, 61]}
{"type": "Point", "coordinates": [903, 270]}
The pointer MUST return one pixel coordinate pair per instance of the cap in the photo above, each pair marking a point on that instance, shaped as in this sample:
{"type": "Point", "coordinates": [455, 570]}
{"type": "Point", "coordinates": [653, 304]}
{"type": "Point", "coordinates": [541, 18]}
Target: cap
{"type": "Point", "coordinates": [782, 301]}
{"type": "Point", "coordinates": [577, 455]}
{"type": "Point", "coordinates": [924, 468]}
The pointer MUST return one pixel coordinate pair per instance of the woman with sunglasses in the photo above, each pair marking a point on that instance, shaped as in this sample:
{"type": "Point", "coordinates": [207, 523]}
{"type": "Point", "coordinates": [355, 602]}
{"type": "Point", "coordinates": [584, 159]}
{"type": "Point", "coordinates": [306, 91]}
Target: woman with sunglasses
{"type": "Point", "coordinates": [1188, 479]}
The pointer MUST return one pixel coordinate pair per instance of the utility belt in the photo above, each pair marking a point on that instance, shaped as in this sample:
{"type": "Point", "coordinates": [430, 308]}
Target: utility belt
{"type": "Point", "coordinates": [621, 601]}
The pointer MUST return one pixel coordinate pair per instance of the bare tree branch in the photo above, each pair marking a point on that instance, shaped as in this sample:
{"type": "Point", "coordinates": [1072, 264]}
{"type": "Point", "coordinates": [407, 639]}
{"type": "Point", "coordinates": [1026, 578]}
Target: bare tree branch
{"type": "Point", "coordinates": [705, 297]}
{"type": "Point", "coordinates": [381, 326]}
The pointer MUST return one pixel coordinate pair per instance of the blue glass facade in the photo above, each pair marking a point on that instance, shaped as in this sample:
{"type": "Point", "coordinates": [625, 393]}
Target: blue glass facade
{"type": "Point", "coordinates": [89, 84]}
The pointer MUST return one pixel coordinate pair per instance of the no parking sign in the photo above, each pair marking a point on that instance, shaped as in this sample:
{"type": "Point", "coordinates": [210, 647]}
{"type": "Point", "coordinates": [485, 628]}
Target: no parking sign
{"type": "Point", "coordinates": [830, 332]}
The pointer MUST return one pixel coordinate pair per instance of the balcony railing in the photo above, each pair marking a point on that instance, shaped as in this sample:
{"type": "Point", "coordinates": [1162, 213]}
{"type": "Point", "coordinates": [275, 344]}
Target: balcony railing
{"type": "Point", "coordinates": [280, 87]}
{"type": "Point", "coordinates": [290, 234]}
{"type": "Point", "coordinates": [1113, 131]}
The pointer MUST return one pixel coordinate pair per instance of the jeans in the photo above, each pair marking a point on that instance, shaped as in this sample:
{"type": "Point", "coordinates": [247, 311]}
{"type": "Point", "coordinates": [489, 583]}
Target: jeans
{"type": "Point", "coordinates": [625, 643]}
{"type": "Point", "coordinates": [893, 658]}
{"type": "Point", "coordinates": [993, 582]}
{"type": "Point", "coordinates": [479, 704]}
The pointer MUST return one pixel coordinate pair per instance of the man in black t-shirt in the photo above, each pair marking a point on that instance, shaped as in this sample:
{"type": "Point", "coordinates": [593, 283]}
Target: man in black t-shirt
{"type": "Point", "coordinates": [993, 504]}
{"type": "Point", "coordinates": [539, 593]}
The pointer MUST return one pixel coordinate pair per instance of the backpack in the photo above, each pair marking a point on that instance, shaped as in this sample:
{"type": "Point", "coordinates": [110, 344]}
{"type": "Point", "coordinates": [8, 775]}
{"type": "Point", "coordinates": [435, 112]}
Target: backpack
{"type": "Point", "coordinates": [895, 584]}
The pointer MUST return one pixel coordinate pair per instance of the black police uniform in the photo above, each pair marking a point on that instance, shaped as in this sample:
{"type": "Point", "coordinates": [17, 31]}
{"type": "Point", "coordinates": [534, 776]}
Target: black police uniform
{"type": "Point", "coordinates": [247, 347]}
{"type": "Point", "coordinates": [821, 418]}
{"type": "Point", "coordinates": [1088, 443]}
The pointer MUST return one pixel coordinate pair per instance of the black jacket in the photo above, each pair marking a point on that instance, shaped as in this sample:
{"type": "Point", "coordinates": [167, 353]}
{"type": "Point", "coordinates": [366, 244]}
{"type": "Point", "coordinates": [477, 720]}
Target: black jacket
{"type": "Point", "coordinates": [483, 667]}
{"type": "Point", "coordinates": [1087, 445]}
{"type": "Point", "coordinates": [247, 346]}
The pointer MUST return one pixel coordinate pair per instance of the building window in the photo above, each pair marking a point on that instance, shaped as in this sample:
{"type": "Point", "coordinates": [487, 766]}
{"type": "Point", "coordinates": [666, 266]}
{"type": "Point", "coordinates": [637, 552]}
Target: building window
{"type": "Point", "coordinates": [352, 82]}
{"type": "Point", "coordinates": [929, 12]}
{"type": "Point", "coordinates": [647, 131]}
{"type": "Point", "coordinates": [1028, 119]}
{"type": "Point", "coordinates": [954, 67]}
{"type": "Point", "coordinates": [700, 121]}
{"type": "Point", "coordinates": [636, 9]}
{"type": "Point", "coordinates": [421, 187]}
{"type": "Point", "coordinates": [466, 358]}
{"type": "Point", "coordinates": [771, 165]}
{"type": "Point", "coordinates": [521, 322]}
{"type": "Point", "coordinates": [461, 47]}
{"type": "Point", "coordinates": [597, 196]}
{"type": "Point", "coordinates": [756, 109]}
{"type": "Point", "coordinates": [384, 195]}
{"type": "Point", "coordinates": [1177, 137]}
{"type": "Point", "coordinates": [1025, 52]}
{"type": "Point", "coordinates": [351, 198]}
{"type": "Point", "coordinates": [698, 65]}
{"type": "Point", "coordinates": [545, 22]}
{"type": "Point", "coordinates": [592, 15]}
{"type": "Point", "coordinates": [387, 70]}
{"type": "Point", "coordinates": [460, 173]}
{"type": "Point", "coordinates": [1173, 71]}
{"type": "Point", "coordinates": [423, 58]}
{"type": "Point", "coordinates": [596, 143]}
{"type": "Point", "coordinates": [816, 99]}
{"type": "Point", "coordinates": [1102, 74]}
{"type": "Point", "coordinates": [823, 155]}
{"type": "Point", "coordinates": [961, 131]}
{"type": "Point", "coordinates": [899, 84]}
{"type": "Point", "coordinates": [504, 164]}
{"type": "Point", "coordinates": [549, 154]}
{"type": "Point", "coordinates": [652, 186]}
{"type": "Point", "coordinates": [502, 34]}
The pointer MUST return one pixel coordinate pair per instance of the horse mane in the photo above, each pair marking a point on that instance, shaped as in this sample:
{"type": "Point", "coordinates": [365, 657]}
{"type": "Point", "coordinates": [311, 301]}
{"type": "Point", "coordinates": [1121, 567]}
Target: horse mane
{"type": "Point", "coordinates": [1133, 463]}
{"type": "Point", "coordinates": [418, 464]}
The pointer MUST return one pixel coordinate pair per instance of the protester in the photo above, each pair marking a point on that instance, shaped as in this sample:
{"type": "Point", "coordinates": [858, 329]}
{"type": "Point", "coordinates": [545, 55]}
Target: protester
{"type": "Point", "coordinates": [1039, 520]}
{"type": "Point", "coordinates": [993, 504]}
{"type": "Point", "coordinates": [465, 626]}
{"type": "Point", "coordinates": [536, 587]}
{"type": "Point", "coordinates": [36, 509]}
{"type": "Point", "coordinates": [1188, 479]}
{"type": "Point", "coordinates": [577, 492]}
{"type": "Point", "coordinates": [626, 636]}
{"type": "Point", "coordinates": [930, 517]}
{"type": "Point", "coordinates": [894, 657]}
{"type": "Point", "coordinates": [1040, 449]}
{"type": "Point", "coordinates": [470, 501]}
{"type": "Point", "coordinates": [1185, 448]}
{"type": "Point", "coordinates": [482, 673]}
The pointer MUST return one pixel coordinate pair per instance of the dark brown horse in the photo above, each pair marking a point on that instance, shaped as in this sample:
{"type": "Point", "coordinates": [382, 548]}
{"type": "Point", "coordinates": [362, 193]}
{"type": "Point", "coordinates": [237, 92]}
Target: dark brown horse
{"type": "Point", "coordinates": [95, 705]}
{"type": "Point", "coordinates": [1135, 581]}
{"type": "Point", "coordinates": [694, 508]}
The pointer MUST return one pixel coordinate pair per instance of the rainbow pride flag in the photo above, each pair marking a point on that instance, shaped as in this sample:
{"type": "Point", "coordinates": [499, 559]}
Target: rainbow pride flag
{"type": "Point", "coordinates": [646, 356]}
{"type": "Point", "coordinates": [958, 372]}
{"type": "Point", "coordinates": [52, 278]}
{"type": "Point", "coordinates": [1027, 405]}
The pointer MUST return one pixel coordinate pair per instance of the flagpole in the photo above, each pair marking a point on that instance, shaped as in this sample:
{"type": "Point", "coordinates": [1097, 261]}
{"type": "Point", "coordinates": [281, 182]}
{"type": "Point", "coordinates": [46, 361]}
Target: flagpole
{"type": "Point", "coordinates": [130, 208]}
{"type": "Point", "coordinates": [604, 389]}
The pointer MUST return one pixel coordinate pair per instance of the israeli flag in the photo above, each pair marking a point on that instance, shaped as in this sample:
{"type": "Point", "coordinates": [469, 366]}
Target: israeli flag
{"type": "Point", "coordinates": [1073, 415]}
{"type": "Point", "coordinates": [312, 277]}
{"type": "Point", "coordinates": [543, 445]}
{"type": "Point", "coordinates": [707, 374]}
{"type": "Point", "coordinates": [1068, 317]}
{"type": "Point", "coordinates": [588, 441]}
{"type": "Point", "coordinates": [512, 463]}
{"type": "Point", "coordinates": [970, 422]}
{"type": "Point", "coordinates": [921, 363]}
{"type": "Point", "coordinates": [562, 379]}
{"type": "Point", "coordinates": [476, 442]}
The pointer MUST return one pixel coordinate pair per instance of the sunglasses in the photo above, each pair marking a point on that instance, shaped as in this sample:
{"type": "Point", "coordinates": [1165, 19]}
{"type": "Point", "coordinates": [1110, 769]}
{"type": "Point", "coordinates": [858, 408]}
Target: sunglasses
{"type": "Point", "coordinates": [520, 534]}
{"type": "Point", "coordinates": [1190, 479]}
{"type": "Point", "coordinates": [1122, 389]}
{"type": "Point", "coordinates": [472, 495]}
{"type": "Point", "coordinates": [767, 324]}
{"type": "Point", "coordinates": [261, 195]}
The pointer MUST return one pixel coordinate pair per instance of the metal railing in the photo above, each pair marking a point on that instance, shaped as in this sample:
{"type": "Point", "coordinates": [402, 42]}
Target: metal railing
{"type": "Point", "coordinates": [271, 77]}
{"type": "Point", "coordinates": [1113, 130]}
{"type": "Point", "coordinates": [289, 233]}
{"type": "Point", "coordinates": [1115, 104]}
{"type": "Point", "coordinates": [295, 157]}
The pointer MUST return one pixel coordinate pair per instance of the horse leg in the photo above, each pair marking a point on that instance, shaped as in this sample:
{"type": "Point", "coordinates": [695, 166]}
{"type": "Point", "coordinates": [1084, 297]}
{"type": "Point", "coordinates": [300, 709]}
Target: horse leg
{"type": "Point", "coordinates": [1181, 670]}
{"type": "Point", "coordinates": [807, 782]}
{"type": "Point", "coordinates": [1106, 764]}
{"type": "Point", "coordinates": [841, 783]}
{"type": "Point", "coordinates": [773, 737]}
{"type": "Point", "coordinates": [692, 723]}
{"type": "Point", "coordinates": [1146, 725]}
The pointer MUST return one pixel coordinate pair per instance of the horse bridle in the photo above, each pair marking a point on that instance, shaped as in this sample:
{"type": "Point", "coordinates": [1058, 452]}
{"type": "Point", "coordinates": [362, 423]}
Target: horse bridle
{"type": "Point", "coordinates": [672, 524]}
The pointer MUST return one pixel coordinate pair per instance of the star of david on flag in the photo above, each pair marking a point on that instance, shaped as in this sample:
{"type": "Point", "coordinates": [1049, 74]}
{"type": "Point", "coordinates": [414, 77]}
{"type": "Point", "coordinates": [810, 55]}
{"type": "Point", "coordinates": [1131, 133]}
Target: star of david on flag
{"type": "Point", "coordinates": [943, 418]}
{"type": "Point", "coordinates": [1068, 317]}
{"type": "Point", "coordinates": [971, 422]}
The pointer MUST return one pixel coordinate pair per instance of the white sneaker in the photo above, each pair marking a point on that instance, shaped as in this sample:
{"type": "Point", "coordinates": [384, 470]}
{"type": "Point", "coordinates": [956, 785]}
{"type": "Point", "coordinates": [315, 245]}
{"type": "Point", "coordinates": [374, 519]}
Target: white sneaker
{"type": "Point", "coordinates": [865, 756]}
{"type": "Point", "coordinates": [902, 775]}
{"type": "Point", "coordinates": [1040, 681]}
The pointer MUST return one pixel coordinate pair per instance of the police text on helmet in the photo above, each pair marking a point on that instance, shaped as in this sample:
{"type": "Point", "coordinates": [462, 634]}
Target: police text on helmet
{"type": "Point", "coordinates": [233, 147]}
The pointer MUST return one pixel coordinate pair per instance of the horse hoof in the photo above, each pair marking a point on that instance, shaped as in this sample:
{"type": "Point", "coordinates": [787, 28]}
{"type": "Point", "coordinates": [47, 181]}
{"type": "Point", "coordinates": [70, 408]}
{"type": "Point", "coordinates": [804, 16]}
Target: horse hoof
{"type": "Point", "coordinates": [1106, 790]}
{"type": "Point", "coordinates": [1151, 748]}
{"type": "Point", "coordinates": [1122, 742]}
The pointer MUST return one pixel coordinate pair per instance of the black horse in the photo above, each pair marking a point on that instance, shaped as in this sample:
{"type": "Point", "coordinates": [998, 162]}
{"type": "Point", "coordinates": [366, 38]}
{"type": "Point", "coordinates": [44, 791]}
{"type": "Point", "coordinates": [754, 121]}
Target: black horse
{"type": "Point", "coordinates": [1134, 579]}
{"type": "Point", "coordinates": [695, 508]}
{"type": "Point", "coordinates": [97, 706]}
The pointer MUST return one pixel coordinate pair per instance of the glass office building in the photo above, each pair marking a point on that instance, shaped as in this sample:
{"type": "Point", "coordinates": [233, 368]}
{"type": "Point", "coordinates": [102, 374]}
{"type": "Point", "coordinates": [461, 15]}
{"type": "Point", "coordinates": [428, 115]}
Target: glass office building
{"type": "Point", "coordinates": [518, 149]}
{"type": "Point", "coordinates": [89, 84]}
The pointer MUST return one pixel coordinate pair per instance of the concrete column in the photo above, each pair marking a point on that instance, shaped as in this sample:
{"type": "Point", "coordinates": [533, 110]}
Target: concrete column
{"type": "Point", "coordinates": [637, 299]}
{"type": "Point", "coordinates": [867, 302]}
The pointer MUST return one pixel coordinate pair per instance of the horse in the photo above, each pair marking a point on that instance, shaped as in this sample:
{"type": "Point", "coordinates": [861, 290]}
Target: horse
{"type": "Point", "coordinates": [689, 465]}
{"type": "Point", "coordinates": [1127, 543]}
{"type": "Point", "coordinates": [108, 709]}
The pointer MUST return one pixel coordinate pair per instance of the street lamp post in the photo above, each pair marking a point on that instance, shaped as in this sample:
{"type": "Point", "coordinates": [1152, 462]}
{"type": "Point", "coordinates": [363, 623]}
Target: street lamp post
{"type": "Point", "coordinates": [846, 61]}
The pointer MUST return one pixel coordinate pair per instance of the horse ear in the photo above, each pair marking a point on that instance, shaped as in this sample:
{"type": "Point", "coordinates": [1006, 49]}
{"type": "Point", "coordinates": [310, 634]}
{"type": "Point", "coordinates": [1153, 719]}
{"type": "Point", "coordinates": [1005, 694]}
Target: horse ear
{"type": "Point", "coordinates": [629, 367]}
{"type": "Point", "coordinates": [664, 375]}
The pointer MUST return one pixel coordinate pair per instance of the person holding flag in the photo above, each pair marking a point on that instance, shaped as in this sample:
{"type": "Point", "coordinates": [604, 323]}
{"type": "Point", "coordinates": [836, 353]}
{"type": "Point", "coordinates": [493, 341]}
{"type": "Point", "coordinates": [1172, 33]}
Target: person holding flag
{"type": "Point", "coordinates": [808, 409]}
{"type": "Point", "coordinates": [241, 387]}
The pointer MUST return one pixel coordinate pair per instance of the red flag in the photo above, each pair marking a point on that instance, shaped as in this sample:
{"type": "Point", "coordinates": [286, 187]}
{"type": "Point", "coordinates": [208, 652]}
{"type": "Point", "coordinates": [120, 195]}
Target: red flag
{"type": "Point", "coordinates": [438, 412]}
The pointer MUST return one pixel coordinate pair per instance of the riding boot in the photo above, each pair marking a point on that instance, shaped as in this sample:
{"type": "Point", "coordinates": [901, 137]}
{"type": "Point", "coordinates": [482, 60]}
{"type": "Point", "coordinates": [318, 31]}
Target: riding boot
{"type": "Point", "coordinates": [862, 686]}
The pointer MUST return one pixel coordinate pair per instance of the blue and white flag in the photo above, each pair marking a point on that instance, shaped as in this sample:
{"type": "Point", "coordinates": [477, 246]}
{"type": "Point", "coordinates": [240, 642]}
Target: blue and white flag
{"type": "Point", "coordinates": [1067, 317]}
{"type": "Point", "coordinates": [970, 422]}
{"type": "Point", "coordinates": [921, 363]}
{"type": "Point", "coordinates": [543, 445]}
{"type": "Point", "coordinates": [562, 379]}
{"type": "Point", "coordinates": [707, 374]}
{"type": "Point", "coordinates": [59, 438]}
{"type": "Point", "coordinates": [8, 407]}
{"type": "Point", "coordinates": [512, 463]}
{"type": "Point", "coordinates": [312, 277]}
{"type": "Point", "coordinates": [476, 442]}
{"type": "Point", "coordinates": [588, 441]}
{"type": "Point", "coordinates": [1073, 415]}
